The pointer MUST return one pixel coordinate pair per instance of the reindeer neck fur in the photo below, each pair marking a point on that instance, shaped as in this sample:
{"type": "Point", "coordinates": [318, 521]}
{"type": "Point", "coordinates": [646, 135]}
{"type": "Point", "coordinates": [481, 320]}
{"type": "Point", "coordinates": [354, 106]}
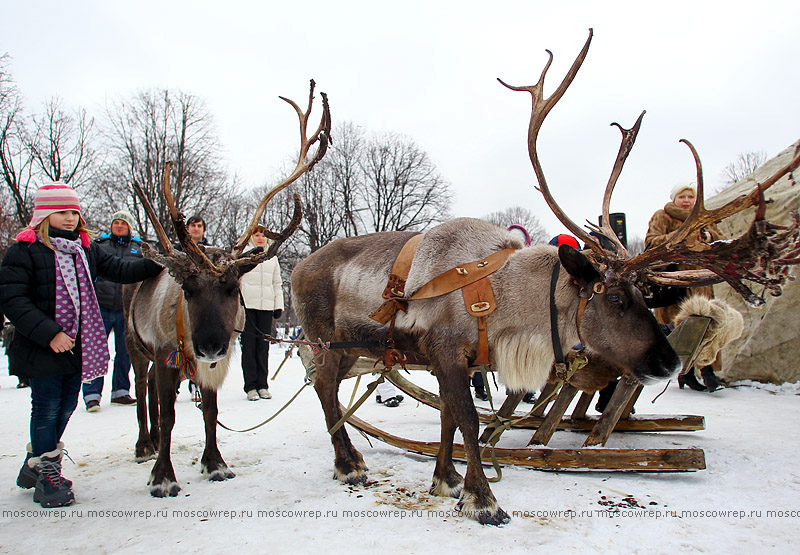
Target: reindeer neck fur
{"type": "Point", "coordinates": [522, 348]}
{"type": "Point", "coordinates": [158, 334]}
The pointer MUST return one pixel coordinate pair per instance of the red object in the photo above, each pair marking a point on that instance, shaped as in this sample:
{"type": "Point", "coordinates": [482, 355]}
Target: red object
{"type": "Point", "coordinates": [565, 239]}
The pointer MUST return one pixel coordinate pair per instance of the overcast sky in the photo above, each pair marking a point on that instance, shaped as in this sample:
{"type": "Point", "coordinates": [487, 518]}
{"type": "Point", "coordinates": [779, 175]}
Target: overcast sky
{"type": "Point", "coordinates": [721, 74]}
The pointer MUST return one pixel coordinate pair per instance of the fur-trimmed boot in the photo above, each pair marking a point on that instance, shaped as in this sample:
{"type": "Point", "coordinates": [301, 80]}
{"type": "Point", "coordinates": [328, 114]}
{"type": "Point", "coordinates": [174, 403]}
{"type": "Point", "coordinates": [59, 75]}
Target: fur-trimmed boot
{"type": "Point", "coordinates": [710, 379]}
{"type": "Point", "coordinates": [51, 489]}
{"type": "Point", "coordinates": [691, 380]}
{"type": "Point", "coordinates": [28, 474]}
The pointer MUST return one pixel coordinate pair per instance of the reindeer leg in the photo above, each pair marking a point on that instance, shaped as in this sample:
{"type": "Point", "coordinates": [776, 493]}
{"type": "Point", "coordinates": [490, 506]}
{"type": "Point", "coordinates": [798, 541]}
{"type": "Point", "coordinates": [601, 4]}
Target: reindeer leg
{"type": "Point", "coordinates": [477, 500]}
{"type": "Point", "coordinates": [152, 392]}
{"type": "Point", "coordinates": [162, 478]}
{"type": "Point", "coordinates": [212, 464]}
{"type": "Point", "coordinates": [145, 448]}
{"type": "Point", "coordinates": [447, 482]}
{"type": "Point", "coordinates": [349, 465]}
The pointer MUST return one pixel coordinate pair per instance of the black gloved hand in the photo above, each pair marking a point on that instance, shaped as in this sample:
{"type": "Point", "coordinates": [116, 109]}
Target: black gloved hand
{"type": "Point", "coordinates": [277, 313]}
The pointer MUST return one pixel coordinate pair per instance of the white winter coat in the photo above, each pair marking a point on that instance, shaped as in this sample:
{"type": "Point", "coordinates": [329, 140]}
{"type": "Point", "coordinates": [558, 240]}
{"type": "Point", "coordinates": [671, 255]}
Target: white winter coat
{"type": "Point", "coordinates": [262, 286]}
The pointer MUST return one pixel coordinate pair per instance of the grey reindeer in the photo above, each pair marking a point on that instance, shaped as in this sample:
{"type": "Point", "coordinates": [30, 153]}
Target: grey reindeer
{"type": "Point", "coordinates": [596, 294]}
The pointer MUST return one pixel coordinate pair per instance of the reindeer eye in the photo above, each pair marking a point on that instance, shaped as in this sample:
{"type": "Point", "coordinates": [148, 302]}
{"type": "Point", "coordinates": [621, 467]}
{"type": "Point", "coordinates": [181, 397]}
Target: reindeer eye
{"type": "Point", "coordinates": [615, 299]}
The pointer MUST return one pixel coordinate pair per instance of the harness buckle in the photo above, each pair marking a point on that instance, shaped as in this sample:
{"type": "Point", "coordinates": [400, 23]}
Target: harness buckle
{"type": "Point", "coordinates": [599, 287]}
{"type": "Point", "coordinates": [480, 307]}
{"type": "Point", "coordinates": [461, 271]}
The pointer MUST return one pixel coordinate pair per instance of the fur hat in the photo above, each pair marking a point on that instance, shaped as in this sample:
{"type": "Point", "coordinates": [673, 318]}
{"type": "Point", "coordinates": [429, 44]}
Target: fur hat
{"type": "Point", "coordinates": [124, 216]}
{"type": "Point", "coordinates": [50, 198]}
{"type": "Point", "coordinates": [681, 187]}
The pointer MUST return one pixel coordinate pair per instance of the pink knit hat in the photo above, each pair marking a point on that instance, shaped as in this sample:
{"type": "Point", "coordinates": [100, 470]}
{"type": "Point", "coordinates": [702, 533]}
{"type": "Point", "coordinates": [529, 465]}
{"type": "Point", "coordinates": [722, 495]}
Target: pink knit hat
{"type": "Point", "coordinates": [52, 197]}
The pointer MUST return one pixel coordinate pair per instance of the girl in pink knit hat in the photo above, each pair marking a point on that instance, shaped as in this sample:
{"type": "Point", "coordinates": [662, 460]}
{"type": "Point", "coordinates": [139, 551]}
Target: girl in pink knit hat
{"type": "Point", "coordinates": [47, 292]}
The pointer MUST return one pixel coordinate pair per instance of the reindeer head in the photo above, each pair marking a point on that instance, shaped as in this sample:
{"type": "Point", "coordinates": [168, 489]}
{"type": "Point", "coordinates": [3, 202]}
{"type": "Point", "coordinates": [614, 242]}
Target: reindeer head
{"type": "Point", "coordinates": [209, 277]}
{"type": "Point", "coordinates": [762, 255]}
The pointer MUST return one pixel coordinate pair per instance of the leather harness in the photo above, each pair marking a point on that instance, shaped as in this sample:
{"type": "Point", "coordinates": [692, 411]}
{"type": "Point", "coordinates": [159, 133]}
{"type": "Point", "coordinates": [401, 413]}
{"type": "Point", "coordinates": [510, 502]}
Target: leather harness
{"type": "Point", "coordinates": [471, 278]}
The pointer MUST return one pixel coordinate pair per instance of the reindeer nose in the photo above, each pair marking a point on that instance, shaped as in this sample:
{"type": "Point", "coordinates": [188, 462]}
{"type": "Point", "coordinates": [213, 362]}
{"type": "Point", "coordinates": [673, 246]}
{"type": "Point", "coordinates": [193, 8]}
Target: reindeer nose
{"type": "Point", "coordinates": [211, 351]}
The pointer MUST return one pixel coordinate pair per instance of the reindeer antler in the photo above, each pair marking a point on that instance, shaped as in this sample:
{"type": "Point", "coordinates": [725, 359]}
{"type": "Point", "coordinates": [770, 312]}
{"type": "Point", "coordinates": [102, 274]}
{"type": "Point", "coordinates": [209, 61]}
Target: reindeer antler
{"type": "Point", "coordinates": [761, 255]}
{"type": "Point", "coordinates": [152, 216]}
{"type": "Point", "coordinates": [321, 135]}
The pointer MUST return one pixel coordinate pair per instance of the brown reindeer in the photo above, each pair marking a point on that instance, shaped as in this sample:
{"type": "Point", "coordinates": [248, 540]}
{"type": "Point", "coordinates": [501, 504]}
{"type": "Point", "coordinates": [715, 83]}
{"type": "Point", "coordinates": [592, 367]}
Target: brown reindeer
{"type": "Point", "coordinates": [194, 315]}
{"type": "Point", "coordinates": [595, 297]}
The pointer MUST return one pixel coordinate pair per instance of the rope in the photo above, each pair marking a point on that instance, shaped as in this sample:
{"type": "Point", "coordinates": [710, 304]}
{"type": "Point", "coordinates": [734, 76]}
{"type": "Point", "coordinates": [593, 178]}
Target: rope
{"type": "Point", "coordinates": [289, 402]}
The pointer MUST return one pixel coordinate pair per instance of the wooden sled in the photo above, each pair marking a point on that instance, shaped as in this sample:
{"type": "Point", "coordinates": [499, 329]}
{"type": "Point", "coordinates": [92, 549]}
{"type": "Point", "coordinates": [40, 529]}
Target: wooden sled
{"type": "Point", "coordinates": [593, 455]}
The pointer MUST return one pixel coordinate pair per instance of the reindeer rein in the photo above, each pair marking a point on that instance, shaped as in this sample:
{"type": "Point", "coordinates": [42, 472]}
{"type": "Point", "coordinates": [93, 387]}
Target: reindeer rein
{"type": "Point", "coordinates": [558, 353]}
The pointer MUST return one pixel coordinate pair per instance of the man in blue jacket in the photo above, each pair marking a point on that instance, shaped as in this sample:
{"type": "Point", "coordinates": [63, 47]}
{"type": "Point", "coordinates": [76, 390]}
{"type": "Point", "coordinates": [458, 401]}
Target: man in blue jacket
{"type": "Point", "coordinates": [120, 242]}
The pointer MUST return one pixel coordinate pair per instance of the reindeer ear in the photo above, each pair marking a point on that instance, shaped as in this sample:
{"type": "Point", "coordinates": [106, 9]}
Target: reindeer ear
{"type": "Point", "coordinates": [578, 266]}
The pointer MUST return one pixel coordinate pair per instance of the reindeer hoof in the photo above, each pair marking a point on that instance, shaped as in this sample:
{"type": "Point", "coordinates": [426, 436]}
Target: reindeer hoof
{"type": "Point", "coordinates": [447, 488]}
{"type": "Point", "coordinates": [166, 488]}
{"type": "Point", "coordinates": [489, 513]}
{"type": "Point", "coordinates": [145, 456]}
{"type": "Point", "coordinates": [220, 474]}
{"type": "Point", "coordinates": [145, 453]}
{"type": "Point", "coordinates": [498, 518]}
{"type": "Point", "coordinates": [354, 478]}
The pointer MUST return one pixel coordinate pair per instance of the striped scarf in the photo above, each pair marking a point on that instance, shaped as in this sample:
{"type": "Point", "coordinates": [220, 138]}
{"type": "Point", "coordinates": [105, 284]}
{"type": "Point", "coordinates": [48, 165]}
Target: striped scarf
{"type": "Point", "coordinates": [77, 310]}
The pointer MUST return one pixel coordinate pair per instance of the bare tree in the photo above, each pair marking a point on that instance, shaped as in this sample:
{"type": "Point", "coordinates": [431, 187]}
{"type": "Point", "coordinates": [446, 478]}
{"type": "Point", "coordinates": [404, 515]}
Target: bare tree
{"type": "Point", "coordinates": [15, 159]}
{"type": "Point", "coordinates": [60, 144]}
{"type": "Point", "coordinates": [521, 216]}
{"type": "Point", "coordinates": [743, 166]}
{"type": "Point", "coordinates": [146, 132]}
{"type": "Point", "coordinates": [344, 166]}
{"type": "Point", "coordinates": [402, 191]}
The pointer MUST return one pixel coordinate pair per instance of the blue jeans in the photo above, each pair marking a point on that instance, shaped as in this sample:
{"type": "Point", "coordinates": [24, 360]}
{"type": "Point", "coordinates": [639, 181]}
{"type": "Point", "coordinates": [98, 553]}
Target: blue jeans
{"type": "Point", "coordinates": [53, 400]}
{"type": "Point", "coordinates": [120, 382]}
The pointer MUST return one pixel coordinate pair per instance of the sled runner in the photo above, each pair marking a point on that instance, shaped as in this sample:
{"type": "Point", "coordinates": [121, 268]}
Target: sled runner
{"type": "Point", "coordinates": [549, 416]}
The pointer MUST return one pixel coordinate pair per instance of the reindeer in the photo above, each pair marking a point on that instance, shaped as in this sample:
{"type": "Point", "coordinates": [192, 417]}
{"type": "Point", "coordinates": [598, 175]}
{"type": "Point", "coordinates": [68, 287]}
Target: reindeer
{"type": "Point", "coordinates": [595, 300]}
{"type": "Point", "coordinates": [193, 316]}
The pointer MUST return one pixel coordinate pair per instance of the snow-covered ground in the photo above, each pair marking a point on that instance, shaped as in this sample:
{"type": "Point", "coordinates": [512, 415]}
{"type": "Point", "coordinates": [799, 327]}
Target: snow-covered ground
{"type": "Point", "coordinates": [283, 498]}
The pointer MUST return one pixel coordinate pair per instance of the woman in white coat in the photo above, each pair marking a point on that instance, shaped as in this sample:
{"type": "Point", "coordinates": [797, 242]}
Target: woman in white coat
{"type": "Point", "coordinates": [263, 300]}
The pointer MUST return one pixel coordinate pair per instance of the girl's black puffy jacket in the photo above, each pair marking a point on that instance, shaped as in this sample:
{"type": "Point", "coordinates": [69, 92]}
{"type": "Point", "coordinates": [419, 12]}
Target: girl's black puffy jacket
{"type": "Point", "coordinates": [27, 295]}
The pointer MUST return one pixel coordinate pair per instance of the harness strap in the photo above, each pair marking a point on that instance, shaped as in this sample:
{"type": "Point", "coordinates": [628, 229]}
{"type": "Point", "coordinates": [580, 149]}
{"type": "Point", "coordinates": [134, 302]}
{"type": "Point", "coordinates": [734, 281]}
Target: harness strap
{"type": "Point", "coordinates": [395, 288]}
{"type": "Point", "coordinates": [394, 291]}
{"type": "Point", "coordinates": [463, 275]}
{"type": "Point", "coordinates": [560, 366]}
{"type": "Point", "coordinates": [181, 358]}
{"type": "Point", "coordinates": [470, 278]}
{"type": "Point", "coordinates": [480, 302]}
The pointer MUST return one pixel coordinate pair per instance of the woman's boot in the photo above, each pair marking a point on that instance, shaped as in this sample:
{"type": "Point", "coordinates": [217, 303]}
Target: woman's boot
{"type": "Point", "coordinates": [691, 380]}
{"type": "Point", "coordinates": [711, 380]}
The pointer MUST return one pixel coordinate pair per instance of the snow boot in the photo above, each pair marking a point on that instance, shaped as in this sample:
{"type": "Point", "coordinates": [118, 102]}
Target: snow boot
{"type": "Point", "coordinates": [691, 380]}
{"type": "Point", "coordinates": [51, 489]}
{"type": "Point", "coordinates": [28, 474]}
{"type": "Point", "coordinates": [710, 379]}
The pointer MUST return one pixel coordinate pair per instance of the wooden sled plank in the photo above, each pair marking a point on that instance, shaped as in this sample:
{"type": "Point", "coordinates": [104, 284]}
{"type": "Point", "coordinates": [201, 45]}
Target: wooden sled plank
{"type": "Point", "coordinates": [625, 391]}
{"type": "Point", "coordinates": [636, 423]}
{"type": "Point", "coordinates": [649, 460]}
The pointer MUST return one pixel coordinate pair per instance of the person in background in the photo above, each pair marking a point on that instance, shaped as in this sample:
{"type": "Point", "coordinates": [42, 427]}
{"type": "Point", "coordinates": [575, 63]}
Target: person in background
{"type": "Point", "coordinates": [262, 291]}
{"type": "Point", "coordinates": [46, 291]}
{"type": "Point", "coordinates": [663, 223]}
{"type": "Point", "coordinates": [120, 243]}
{"type": "Point", "coordinates": [196, 227]}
